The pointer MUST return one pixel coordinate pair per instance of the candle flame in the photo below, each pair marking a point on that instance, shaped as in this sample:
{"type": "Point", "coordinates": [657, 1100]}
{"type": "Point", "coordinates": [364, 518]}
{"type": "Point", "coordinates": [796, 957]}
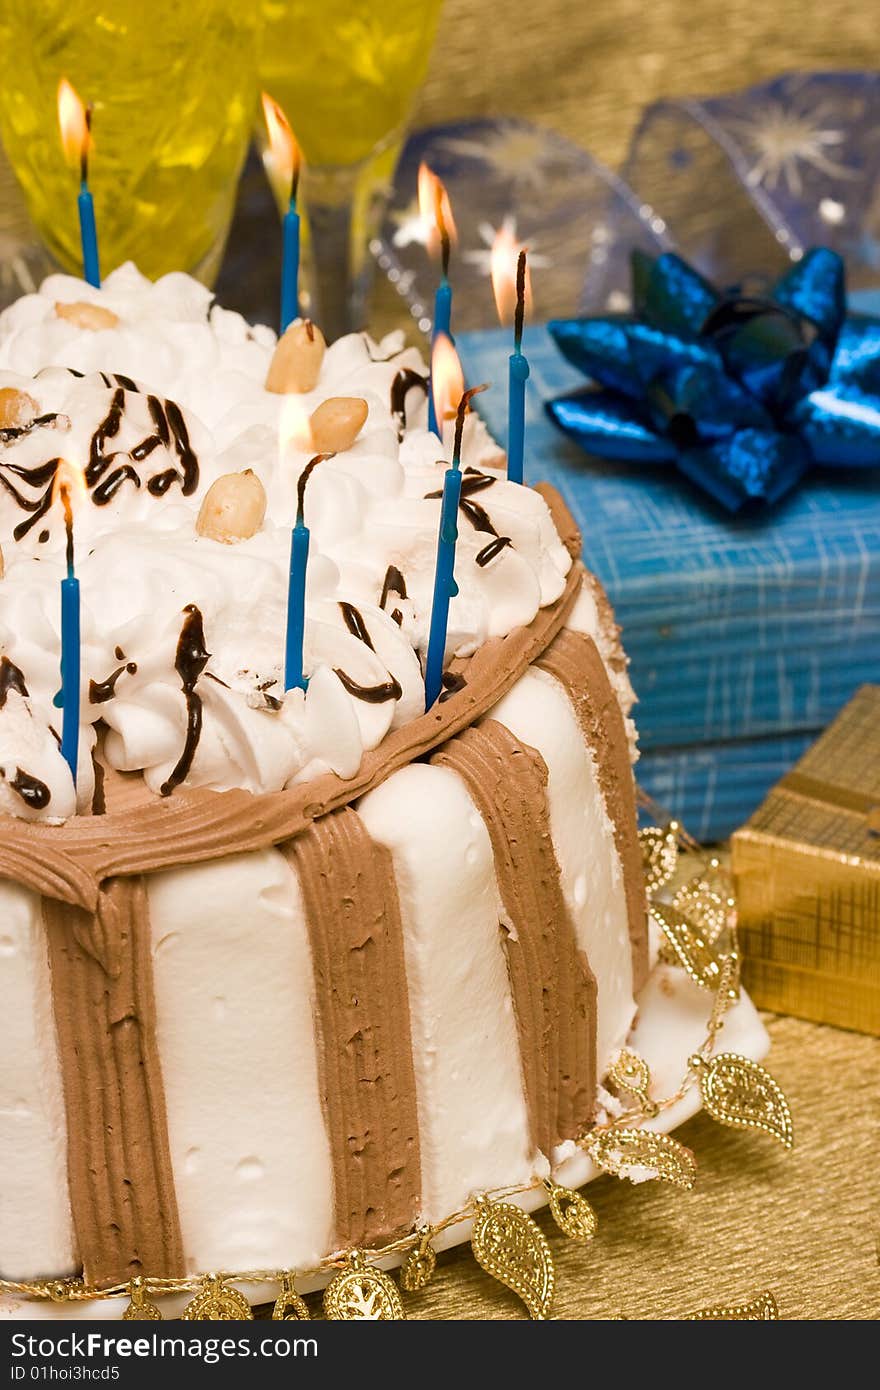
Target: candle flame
{"type": "Point", "coordinates": [74, 120]}
{"type": "Point", "coordinates": [69, 486]}
{"type": "Point", "coordinates": [282, 159]}
{"type": "Point", "coordinates": [504, 260]}
{"type": "Point", "coordinates": [447, 379]}
{"type": "Point", "coordinates": [436, 214]}
{"type": "Point", "coordinates": [294, 427]}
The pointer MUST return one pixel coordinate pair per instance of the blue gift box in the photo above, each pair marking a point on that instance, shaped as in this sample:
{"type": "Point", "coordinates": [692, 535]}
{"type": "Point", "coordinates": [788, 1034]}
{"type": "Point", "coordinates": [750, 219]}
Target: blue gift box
{"type": "Point", "coordinates": [746, 634]}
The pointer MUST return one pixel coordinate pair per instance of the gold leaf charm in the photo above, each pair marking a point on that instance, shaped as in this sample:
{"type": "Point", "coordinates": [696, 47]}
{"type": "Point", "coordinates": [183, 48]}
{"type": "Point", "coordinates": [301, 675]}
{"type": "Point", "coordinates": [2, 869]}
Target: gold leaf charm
{"type": "Point", "coordinates": [289, 1305]}
{"type": "Point", "coordinates": [689, 949]}
{"type": "Point", "coordinates": [217, 1301]}
{"type": "Point", "coordinates": [659, 855]}
{"type": "Point", "coordinates": [625, 1152]}
{"type": "Point", "coordinates": [707, 904]}
{"type": "Point", "coordinates": [362, 1293]}
{"type": "Point", "coordinates": [419, 1265]}
{"type": "Point", "coordinates": [760, 1309]}
{"type": "Point", "coordinates": [630, 1072]}
{"type": "Point", "coordinates": [737, 1092]}
{"type": "Point", "coordinates": [141, 1308]}
{"type": "Point", "coordinates": [572, 1212]}
{"type": "Point", "coordinates": [512, 1248]}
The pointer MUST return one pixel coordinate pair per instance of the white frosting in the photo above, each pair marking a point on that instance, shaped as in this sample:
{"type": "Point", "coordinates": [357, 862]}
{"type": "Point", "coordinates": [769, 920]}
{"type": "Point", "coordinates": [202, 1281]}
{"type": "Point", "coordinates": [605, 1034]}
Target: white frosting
{"type": "Point", "coordinates": [473, 1122]}
{"type": "Point", "coordinates": [140, 562]}
{"type": "Point", "coordinates": [538, 711]}
{"type": "Point", "coordinates": [36, 1231]}
{"type": "Point", "coordinates": [234, 992]}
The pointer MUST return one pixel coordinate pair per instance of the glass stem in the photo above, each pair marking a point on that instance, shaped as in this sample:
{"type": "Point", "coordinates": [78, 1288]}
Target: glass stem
{"type": "Point", "coordinates": [336, 295]}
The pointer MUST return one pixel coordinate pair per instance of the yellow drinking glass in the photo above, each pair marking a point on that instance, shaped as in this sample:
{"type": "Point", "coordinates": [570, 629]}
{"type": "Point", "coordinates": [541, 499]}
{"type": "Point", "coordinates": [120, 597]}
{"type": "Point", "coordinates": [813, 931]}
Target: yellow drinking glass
{"type": "Point", "coordinates": [345, 72]}
{"type": "Point", "coordinates": [174, 91]}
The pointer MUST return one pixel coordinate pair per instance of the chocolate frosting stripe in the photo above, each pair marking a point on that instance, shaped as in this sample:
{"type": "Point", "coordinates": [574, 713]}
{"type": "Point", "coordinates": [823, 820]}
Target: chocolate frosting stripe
{"type": "Point", "coordinates": [119, 1167]}
{"type": "Point", "coordinates": [197, 824]}
{"type": "Point", "coordinates": [553, 988]}
{"type": "Point", "coordinates": [365, 1045]}
{"type": "Point", "coordinates": [575, 662]}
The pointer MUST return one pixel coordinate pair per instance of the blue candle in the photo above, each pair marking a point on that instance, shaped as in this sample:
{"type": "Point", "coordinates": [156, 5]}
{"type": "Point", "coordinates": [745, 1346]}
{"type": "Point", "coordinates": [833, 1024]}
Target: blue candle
{"type": "Point", "coordinates": [296, 606]}
{"type": "Point", "coordinates": [290, 266]}
{"type": "Point", "coordinates": [445, 587]}
{"type": "Point", "coordinates": [517, 378]}
{"type": "Point", "coordinates": [442, 316]}
{"type": "Point", "coordinates": [516, 415]}
{"type": "Point", "coordinates": [296, 584]}
{"type": "Point", "coordinates": [70, 647]}
{"type": "Point", "coordinates": [88, 236]}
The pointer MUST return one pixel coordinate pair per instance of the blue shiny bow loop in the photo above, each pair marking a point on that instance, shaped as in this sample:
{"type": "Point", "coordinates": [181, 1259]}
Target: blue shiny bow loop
{"type": "Point", "coordinates": [743, 391]}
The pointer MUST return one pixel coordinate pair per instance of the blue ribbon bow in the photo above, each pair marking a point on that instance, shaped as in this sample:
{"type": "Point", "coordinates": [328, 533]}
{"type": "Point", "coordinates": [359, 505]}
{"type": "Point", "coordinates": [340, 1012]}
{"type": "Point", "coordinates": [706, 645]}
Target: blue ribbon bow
{"type": "Point", "coordinates": [742, 392]}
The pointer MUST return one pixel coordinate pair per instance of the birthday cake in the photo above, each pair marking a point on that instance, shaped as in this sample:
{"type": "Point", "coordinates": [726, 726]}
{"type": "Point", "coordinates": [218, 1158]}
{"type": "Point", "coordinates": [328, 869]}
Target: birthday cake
{"type": "Point", "coordinates": [287, 972]}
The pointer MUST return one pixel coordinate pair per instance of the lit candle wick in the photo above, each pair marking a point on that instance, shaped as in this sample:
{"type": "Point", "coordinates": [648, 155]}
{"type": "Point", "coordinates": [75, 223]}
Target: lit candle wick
{"type": "Point", "coordinates": [84, 148]}
{"type": "Point", "coordinates": [64, 492]}
{"type": "Point", "coordinates": [443, 230]}
{"type": "Point", "coordinates": [294, 177]}
{"type": "Point", "coordinates": [460, 414]}
{"type": "Point", "coordinates": [519, 314]}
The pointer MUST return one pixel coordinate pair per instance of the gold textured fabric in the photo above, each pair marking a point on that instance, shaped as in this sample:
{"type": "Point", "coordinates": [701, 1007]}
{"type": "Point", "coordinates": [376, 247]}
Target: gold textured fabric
{"type": "Point", "coordinates": [588, 70]}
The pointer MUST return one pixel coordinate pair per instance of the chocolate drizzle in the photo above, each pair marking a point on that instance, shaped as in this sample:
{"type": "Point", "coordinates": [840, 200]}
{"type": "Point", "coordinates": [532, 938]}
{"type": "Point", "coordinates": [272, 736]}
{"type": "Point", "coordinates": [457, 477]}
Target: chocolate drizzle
{"type": "Point", "coordinates": [472, 482]}
{"type": "Point", "coordinates": [11, 678]}
{"type": "Point", "coordinates": [452, 682]}
{"type": "Point", "coordinates": [157, 414]}
{"type": "Point", "coordinates": [393, 583]}
{"type": "Point", "coordinates": [102, 691]}
{"type": "Point", "coordinates": [10, 433]}
{"type": "Point", "coordinates": [43, 473]}
{"type": "Point", "coordinates": [32, 791]}
{"type": "Point", "coordinates": [189, 663]}
{"type": "Point", "coordinates": [489, 551]}
{"type": "Point", "coordinates": [354, 621]}
{"type": "Point", "coordinates": [406, 380]}
{"type": "Point", "coordinates": [169, 430]}
{"type": "Point", "coordinates": [126, 382]}
{"type": "Point", "coordinates": [161, 482]}
{"type": "Point", "coordinates": [107, 490]}
{"type": "Point", "coordinates": [371, 694]}
{"type": "Point", "coordinates": [185, 453]}
{"type": "Point", "coordinates": [108, 429]}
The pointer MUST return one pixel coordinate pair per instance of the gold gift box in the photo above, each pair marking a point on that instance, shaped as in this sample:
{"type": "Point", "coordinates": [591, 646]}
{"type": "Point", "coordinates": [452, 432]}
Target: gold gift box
{"type": "Point", "coordinates": [807, 871]}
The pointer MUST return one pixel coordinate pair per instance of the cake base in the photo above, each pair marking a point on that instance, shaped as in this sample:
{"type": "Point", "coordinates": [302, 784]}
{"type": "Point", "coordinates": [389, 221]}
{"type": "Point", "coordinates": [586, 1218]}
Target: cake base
{"type": "Point", "coordinates": [671, 1025]}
